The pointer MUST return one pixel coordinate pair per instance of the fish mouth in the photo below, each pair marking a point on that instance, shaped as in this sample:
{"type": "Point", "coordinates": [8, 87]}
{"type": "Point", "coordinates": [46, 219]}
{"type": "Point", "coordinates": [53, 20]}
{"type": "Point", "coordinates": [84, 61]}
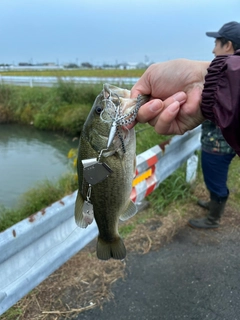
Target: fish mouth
{"type": "Point", "coordinates": [111, 89]}
{"type": "Point", "coordinates": [119, 112]}
{"type": "Point", "coordinates": [119, 107]}
{"type": "Point", "coordinates": [120, 97]}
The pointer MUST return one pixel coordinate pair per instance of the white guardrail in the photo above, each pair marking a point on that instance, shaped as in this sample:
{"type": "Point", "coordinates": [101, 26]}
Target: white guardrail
{"type": "Point", "coordinates": [34, 248]}
{"type": "Point", "coordinates": [52, 81]}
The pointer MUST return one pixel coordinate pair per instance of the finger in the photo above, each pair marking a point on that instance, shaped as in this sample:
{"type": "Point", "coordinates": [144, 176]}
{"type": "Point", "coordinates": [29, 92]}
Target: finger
{"type": "Point", "coordinates": [193, 101]}
{"type": "Point", "coordinates": [130, 126]}
{"type": "Point", "coordinates": [164, 123]}
{"type": "Point", "coordinates": [149, 111]}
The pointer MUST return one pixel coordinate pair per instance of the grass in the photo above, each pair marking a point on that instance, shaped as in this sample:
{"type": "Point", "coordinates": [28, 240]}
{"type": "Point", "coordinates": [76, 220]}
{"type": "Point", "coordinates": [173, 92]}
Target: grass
{"type": "Point", "coordinates": [37, 198]}
{"type": "Point", "coordinates": [174, 189]}
{"type": "Point", "coordinates": [77, 73]}
{"type": "Point", "coordinates": [63, 107]}
{"type": "Point", "coordinates": [147, 137]}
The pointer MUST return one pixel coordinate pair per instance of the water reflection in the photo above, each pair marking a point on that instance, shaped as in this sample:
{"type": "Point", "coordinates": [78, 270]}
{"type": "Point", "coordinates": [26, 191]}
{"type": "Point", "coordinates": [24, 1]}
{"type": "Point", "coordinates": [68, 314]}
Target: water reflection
{"type": "Point", "coordinates": [27, 156]}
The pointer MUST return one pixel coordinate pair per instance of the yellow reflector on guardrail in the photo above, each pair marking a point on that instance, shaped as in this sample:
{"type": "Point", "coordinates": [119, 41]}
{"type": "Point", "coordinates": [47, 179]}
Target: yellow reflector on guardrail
{"type": "Point", "coordinates": [142, 177]}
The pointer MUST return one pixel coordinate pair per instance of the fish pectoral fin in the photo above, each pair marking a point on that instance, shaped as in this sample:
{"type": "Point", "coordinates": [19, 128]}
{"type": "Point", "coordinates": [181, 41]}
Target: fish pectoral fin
{"type": "Point", "coordinates": [82, 220]}
{"type": "Point", "coordinates": [130, 211]}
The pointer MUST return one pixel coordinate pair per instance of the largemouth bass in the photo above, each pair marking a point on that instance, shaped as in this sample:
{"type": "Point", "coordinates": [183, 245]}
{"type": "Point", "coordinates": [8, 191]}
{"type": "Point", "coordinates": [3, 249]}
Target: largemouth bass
{"type": "Point", "coordinates": [106, 141]}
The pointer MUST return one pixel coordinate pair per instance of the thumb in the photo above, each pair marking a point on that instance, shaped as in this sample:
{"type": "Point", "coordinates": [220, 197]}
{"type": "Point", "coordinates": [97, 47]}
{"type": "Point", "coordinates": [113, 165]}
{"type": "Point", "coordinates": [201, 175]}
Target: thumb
{"type": "Point", "coordinates": [141, 87]}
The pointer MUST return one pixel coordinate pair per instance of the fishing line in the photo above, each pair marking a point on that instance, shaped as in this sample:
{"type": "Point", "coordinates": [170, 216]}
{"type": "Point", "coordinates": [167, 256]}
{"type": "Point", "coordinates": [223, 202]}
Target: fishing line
{"type": "Point", "coordinates": [140, 130]}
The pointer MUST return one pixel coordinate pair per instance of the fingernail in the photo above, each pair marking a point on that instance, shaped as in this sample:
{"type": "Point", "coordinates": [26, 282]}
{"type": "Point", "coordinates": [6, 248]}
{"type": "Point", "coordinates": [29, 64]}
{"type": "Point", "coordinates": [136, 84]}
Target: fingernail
{"type": "Point", "coordinates": [154, 106]}
{"type": "Point", "coordinates": [180, 97]}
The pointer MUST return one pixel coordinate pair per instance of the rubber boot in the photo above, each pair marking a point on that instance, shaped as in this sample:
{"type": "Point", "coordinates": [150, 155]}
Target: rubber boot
{"type": "Point", "coordinates": [216, 209]}
{"type": "Point", "coordinates": [204, 204]}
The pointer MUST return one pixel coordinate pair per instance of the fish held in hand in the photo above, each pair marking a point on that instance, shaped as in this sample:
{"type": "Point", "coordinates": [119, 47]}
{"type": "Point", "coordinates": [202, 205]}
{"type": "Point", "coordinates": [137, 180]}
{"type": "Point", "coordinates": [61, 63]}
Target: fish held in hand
{"type": "Point", "coordinates": [106, 168]}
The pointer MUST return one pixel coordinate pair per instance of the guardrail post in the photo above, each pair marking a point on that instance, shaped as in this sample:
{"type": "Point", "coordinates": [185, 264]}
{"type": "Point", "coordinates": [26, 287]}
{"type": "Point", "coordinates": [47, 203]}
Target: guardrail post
{"type": "Point", "coordinates": [191, 171]}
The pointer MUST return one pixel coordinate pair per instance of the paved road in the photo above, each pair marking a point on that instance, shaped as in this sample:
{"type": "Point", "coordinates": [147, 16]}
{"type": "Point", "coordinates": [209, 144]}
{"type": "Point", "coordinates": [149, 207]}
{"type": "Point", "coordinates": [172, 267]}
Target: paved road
{"type": "Point", "coordinates": [196, 276]}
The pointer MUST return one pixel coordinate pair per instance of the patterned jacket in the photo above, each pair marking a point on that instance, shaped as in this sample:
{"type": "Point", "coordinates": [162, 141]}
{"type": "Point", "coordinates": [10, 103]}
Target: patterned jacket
{"type": "Point", "coordinates": [212, 139]}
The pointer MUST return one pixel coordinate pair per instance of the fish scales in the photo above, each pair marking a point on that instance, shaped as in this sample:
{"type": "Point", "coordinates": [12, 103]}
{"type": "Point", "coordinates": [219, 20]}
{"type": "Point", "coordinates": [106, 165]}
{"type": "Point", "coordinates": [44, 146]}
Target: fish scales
{"type": "Point", "coordinates": [111, 197]}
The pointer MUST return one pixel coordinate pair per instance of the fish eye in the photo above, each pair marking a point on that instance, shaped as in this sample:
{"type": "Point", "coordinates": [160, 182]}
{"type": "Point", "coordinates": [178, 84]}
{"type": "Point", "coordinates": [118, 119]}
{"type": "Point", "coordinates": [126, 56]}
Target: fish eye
{"type": "Point", "coordinates": [98, 109]}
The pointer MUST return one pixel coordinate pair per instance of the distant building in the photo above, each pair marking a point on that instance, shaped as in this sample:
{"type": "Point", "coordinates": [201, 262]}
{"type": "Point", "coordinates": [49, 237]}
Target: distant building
{"type": "Point", "coordinates": [142, 65]}
{"type": "Point", "coordinates": [131, 65]}
{"type": "Point", "coordinates": [46, 64]}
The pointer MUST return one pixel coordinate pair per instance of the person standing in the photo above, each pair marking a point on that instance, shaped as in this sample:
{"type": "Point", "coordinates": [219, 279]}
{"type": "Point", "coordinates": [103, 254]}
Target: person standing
{"type": "Point", "coordinates": [216, 154]}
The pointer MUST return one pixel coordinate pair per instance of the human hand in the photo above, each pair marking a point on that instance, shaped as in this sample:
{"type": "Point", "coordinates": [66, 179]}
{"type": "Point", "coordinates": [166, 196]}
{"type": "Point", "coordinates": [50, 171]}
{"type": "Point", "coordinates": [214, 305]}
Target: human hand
{"type": "Point", "coordinates": [175, 88]}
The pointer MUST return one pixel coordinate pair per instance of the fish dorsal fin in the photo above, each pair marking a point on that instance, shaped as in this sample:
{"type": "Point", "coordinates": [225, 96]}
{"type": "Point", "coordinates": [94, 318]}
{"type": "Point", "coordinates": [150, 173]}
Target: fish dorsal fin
{"type": "Point", "coordinates": [81, 221]}
{"type": "Point", "coordinates": [130, 211]}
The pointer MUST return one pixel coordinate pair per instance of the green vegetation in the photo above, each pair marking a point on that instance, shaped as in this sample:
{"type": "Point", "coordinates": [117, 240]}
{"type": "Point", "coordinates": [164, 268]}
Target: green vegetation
{"type": "Point", "coordinates": [147, 137]}
{"type": "Point", "coordinates": [44, 194]}
{"type": "Point", "coordinates": [77, 73]}
{"type": "Point", "coordinates": [63, 107]}
{"type": "Point", "coordinates": [13, 313]}
{"type": "Point", "coordinates": [173, 189]}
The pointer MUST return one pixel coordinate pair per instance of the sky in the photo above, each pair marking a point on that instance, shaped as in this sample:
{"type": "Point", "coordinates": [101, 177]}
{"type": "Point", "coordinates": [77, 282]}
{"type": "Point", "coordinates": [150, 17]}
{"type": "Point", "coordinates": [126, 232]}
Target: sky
{"type": "Point", "coordinates": [104, 31]}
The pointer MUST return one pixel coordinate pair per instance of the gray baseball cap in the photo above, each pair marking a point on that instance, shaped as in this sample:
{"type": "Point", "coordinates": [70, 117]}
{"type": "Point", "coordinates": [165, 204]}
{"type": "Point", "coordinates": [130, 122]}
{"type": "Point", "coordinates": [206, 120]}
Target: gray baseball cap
{"type": "Point", "coordinates": [229, 31]}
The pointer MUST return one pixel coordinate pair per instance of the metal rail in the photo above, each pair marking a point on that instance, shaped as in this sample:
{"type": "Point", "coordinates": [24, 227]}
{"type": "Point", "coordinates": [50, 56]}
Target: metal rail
{"type": "Point", "coordinates": [34, 248]}
{"type": "Point", "coordinates": [53, 81]}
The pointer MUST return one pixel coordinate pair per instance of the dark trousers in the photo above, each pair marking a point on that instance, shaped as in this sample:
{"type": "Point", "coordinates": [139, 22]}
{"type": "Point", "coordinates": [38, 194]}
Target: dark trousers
{"type": "Point", "coordinates": [215, 172]}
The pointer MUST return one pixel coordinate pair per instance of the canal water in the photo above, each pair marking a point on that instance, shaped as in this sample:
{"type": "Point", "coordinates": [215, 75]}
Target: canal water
{"type": "Point", "coordinates": [28, 156]}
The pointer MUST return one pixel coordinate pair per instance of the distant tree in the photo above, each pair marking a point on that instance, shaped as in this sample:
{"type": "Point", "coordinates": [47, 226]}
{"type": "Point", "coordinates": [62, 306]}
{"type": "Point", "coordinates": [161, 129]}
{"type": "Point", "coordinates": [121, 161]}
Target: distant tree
{"type": "Point", "coordinates": [71, 66]}
{"type": "Point", "coordinates": [86, 65]}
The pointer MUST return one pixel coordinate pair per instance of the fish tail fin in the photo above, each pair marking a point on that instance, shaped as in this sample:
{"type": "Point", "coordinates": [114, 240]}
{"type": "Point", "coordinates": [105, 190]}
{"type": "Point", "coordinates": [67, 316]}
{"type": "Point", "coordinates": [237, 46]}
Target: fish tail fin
{"type": "Point", "coordinates": [114, 249]}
